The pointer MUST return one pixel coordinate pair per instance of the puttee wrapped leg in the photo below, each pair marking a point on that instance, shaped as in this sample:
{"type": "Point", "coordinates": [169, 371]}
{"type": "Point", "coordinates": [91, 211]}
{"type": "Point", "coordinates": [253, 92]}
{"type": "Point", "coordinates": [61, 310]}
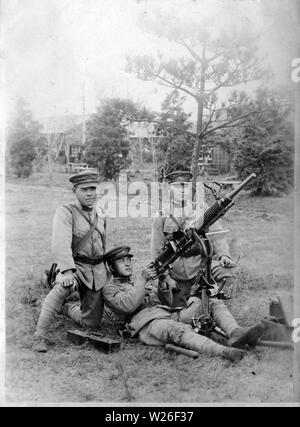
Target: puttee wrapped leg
{"type": "Point", "coordinates": [238, 336]}
{"type": "Point", "coordinates": [204, 345]}
{"type": "Point", "coordinates": [51, 306]}
{"type": "Point", "coordinates": [222, 316]}
{"type": "Point", "coordinates": [73, 311]}
{"type": "Point", "coordinates": [163, 331]}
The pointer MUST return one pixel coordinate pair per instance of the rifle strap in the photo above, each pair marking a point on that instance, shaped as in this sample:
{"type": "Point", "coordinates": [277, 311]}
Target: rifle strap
{"type": "Point", "coordinates": [85, 239]}
{"type": "Point", "coordinates": [179, 224]}
{"type": "Point", "coordinates": [82, 242]}
{"type": "Point", "coordinates": [88, 220]}
{"type": "Point", "coordinates": [51, 276]}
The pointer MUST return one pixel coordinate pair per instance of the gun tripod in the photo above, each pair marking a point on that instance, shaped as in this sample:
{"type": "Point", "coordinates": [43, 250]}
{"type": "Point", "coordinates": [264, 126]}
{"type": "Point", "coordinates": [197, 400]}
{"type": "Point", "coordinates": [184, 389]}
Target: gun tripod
{"type": "Point", "coordinates": [207, 288]}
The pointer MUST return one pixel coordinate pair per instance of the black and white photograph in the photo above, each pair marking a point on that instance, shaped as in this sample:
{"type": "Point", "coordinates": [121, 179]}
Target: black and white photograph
{"type": "Point", "coordinates": [150, 215]}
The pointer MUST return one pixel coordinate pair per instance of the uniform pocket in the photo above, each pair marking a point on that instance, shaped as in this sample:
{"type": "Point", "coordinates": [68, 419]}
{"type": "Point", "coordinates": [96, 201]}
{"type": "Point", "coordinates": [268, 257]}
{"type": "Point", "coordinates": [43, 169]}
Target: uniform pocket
{"type": "Point", "coordinates": [79, 232]}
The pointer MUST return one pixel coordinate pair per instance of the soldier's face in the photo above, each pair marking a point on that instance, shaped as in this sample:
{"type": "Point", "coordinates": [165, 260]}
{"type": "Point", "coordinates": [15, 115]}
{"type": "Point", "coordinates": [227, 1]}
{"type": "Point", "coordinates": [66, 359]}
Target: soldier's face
{"type": "Point", "coordinates": [87, 196]}
{"type": "Point", "coordinates": [180, 191]}
{"type": "Point", "coordinates": [123, 267]}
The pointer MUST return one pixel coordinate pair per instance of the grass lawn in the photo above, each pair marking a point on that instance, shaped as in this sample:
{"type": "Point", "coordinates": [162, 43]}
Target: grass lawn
{"type": "Point", "coordinates": [261, 234]}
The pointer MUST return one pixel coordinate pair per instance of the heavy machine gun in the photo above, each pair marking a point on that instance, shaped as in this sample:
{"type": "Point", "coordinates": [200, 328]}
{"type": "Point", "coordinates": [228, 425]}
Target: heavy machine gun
{"type": "Point", "coordinates": [180, 241]}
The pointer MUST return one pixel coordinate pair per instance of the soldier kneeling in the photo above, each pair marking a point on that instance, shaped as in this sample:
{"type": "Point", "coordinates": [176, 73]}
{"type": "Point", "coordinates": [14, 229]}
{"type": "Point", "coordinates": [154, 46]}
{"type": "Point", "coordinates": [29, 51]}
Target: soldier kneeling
{"type": "Point", "coordinates": [157, 324]}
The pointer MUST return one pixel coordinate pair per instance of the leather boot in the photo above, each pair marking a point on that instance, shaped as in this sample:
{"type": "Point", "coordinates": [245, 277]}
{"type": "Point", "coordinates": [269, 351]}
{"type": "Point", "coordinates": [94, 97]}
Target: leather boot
{"type": "Point", "coordinates": [40, 344]}
{"type": "Point", "coordinates": [233, 354]}
{"type": "Point", "coordinates": [204, 345]}
{"type": "Point", "coordinates": [243, 336]}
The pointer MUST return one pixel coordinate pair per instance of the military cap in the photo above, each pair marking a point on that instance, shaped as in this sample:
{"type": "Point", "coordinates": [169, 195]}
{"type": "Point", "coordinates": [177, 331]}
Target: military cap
{"type": "Point", "coordinates": [179, 176]}
{"type": "Point", "coordinates": [118, 253]}
{"type": "Point", "coordinates": [86, 178]}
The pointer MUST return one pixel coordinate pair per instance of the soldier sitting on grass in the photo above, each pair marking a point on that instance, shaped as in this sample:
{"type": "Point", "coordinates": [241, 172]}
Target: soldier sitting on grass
{"type": "Point", "coordinates": [156, 324]}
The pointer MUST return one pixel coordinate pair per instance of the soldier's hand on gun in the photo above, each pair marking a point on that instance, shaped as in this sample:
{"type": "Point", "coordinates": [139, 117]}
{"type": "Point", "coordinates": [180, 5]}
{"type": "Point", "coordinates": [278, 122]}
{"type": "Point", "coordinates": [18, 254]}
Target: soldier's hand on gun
{"type": "Point", "coordinates": [68, 278]}
{"type": "Point", "coordinates": [168, 283]}
{"type": "Point", "coordinates": [149, 272]}
{"type": "Point", "coordinates": [226, 261]}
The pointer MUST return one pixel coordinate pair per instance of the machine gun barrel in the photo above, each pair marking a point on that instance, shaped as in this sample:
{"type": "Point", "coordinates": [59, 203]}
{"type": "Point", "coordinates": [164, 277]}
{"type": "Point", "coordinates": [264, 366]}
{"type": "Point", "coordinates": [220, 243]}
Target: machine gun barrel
{"type": "Point", "coordinates": [234, 192]}
{"type": "Point", "coordinates": [179, 241]}
{"type": "Point", "coordinates": [220, 207]}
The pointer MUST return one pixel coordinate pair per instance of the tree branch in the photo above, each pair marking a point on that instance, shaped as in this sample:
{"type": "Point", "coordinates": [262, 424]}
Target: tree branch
{"type": "Point", "coordinates": [217, 55]}
{"type": "Point", "coordinates": [204, 133]}
{"type": "Point", "coordinates": [228, 107]}
{"type": "Point", "coordinates": [167, 125]}
{"type": "Point", "coordinates": [192, 52]}
{"type": "Point", "coordinates": [209, 119]}
{"type": "Point", "coordinates": [176, 86]}
{"type": "Point", "coordinates": [224, 83]}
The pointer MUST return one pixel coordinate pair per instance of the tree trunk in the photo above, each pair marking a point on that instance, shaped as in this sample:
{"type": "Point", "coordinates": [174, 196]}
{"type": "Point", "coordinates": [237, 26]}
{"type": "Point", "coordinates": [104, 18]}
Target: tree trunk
{"type": "Point", "coordinates": [198, 139]}
{"type": "Point", "coordinates": [154, 158]}
{"type": "Point", "coordinates": [49, 156]}
{"type": "Point", "coordinates": [141, 153]}
{"type": "Point", "coordinates": [195, 159]}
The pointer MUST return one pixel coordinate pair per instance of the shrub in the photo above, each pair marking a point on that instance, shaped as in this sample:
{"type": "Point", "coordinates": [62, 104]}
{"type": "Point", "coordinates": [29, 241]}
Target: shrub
{"type": "Point", "coordinates": [22, 154]}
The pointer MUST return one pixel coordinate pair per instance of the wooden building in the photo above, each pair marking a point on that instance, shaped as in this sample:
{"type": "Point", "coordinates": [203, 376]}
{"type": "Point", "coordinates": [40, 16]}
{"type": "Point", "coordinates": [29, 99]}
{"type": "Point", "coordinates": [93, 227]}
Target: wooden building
{"type": "Point", "coordinates": [65, 136]}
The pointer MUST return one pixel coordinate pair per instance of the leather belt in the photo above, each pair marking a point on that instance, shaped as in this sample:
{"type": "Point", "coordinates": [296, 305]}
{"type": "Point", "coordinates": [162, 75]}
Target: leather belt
{"type": "Point", "coordinates": [87, 260]}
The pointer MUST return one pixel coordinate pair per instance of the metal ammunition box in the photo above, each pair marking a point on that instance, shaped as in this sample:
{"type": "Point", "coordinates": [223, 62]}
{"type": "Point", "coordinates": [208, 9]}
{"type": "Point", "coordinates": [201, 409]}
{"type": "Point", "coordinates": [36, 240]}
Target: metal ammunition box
{"type": "Point", "coordinates": [107, 345]}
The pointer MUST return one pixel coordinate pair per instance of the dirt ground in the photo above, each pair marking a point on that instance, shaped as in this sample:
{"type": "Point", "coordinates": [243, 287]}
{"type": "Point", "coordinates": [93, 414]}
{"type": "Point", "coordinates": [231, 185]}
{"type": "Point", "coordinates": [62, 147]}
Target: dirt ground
{"type": "Point", "coordinates": [261, 235]}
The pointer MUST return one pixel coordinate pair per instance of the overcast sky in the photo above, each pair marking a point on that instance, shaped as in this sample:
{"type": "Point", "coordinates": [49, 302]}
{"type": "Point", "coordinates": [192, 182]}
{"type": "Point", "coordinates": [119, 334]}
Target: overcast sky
{"type": "Point", "coordinates": [54, 48]}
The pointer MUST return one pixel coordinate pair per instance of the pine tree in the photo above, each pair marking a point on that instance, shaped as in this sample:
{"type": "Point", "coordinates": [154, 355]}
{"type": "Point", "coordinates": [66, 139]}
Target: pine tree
{"type": "Point", "coordinates": [210, 60]}
{"type": "Point", "coordinates": [23, 136]}
{"type": "Point", "coordinates": [174, 149]}
{"type": "Point", "coordinates": [265, 146]}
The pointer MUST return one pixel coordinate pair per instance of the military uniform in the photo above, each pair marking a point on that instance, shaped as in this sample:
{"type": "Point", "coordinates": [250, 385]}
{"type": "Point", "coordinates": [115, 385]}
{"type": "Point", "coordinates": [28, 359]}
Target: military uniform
{"type": "Point", "coordinates": [186, 267]}
{"type": "Point", "coordinates": [71, 224]}
{"type": "Point", "coordinates": [158, 324]}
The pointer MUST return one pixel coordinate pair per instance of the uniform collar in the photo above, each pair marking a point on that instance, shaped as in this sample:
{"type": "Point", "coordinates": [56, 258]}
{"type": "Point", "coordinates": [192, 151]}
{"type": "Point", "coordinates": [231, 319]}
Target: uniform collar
{"type": "Point", "coordinates": [84, 208]}
{"type": "Point", "coordinates": [123, 280]}
{"type": "Point", "coordinates": [87, 209]}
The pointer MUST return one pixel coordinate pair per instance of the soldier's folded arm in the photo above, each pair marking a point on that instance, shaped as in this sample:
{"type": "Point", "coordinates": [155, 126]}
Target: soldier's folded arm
{"type": "Point", "coordinates": [125, 302]}
{"type": "Point", "coordinates": [62, 239]}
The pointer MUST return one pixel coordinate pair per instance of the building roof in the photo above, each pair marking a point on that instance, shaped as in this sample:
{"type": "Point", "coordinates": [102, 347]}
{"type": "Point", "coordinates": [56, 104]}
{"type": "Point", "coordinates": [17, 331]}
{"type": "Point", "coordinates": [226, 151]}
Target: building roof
{"type": "Point", "coordinates": [146, 130]}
